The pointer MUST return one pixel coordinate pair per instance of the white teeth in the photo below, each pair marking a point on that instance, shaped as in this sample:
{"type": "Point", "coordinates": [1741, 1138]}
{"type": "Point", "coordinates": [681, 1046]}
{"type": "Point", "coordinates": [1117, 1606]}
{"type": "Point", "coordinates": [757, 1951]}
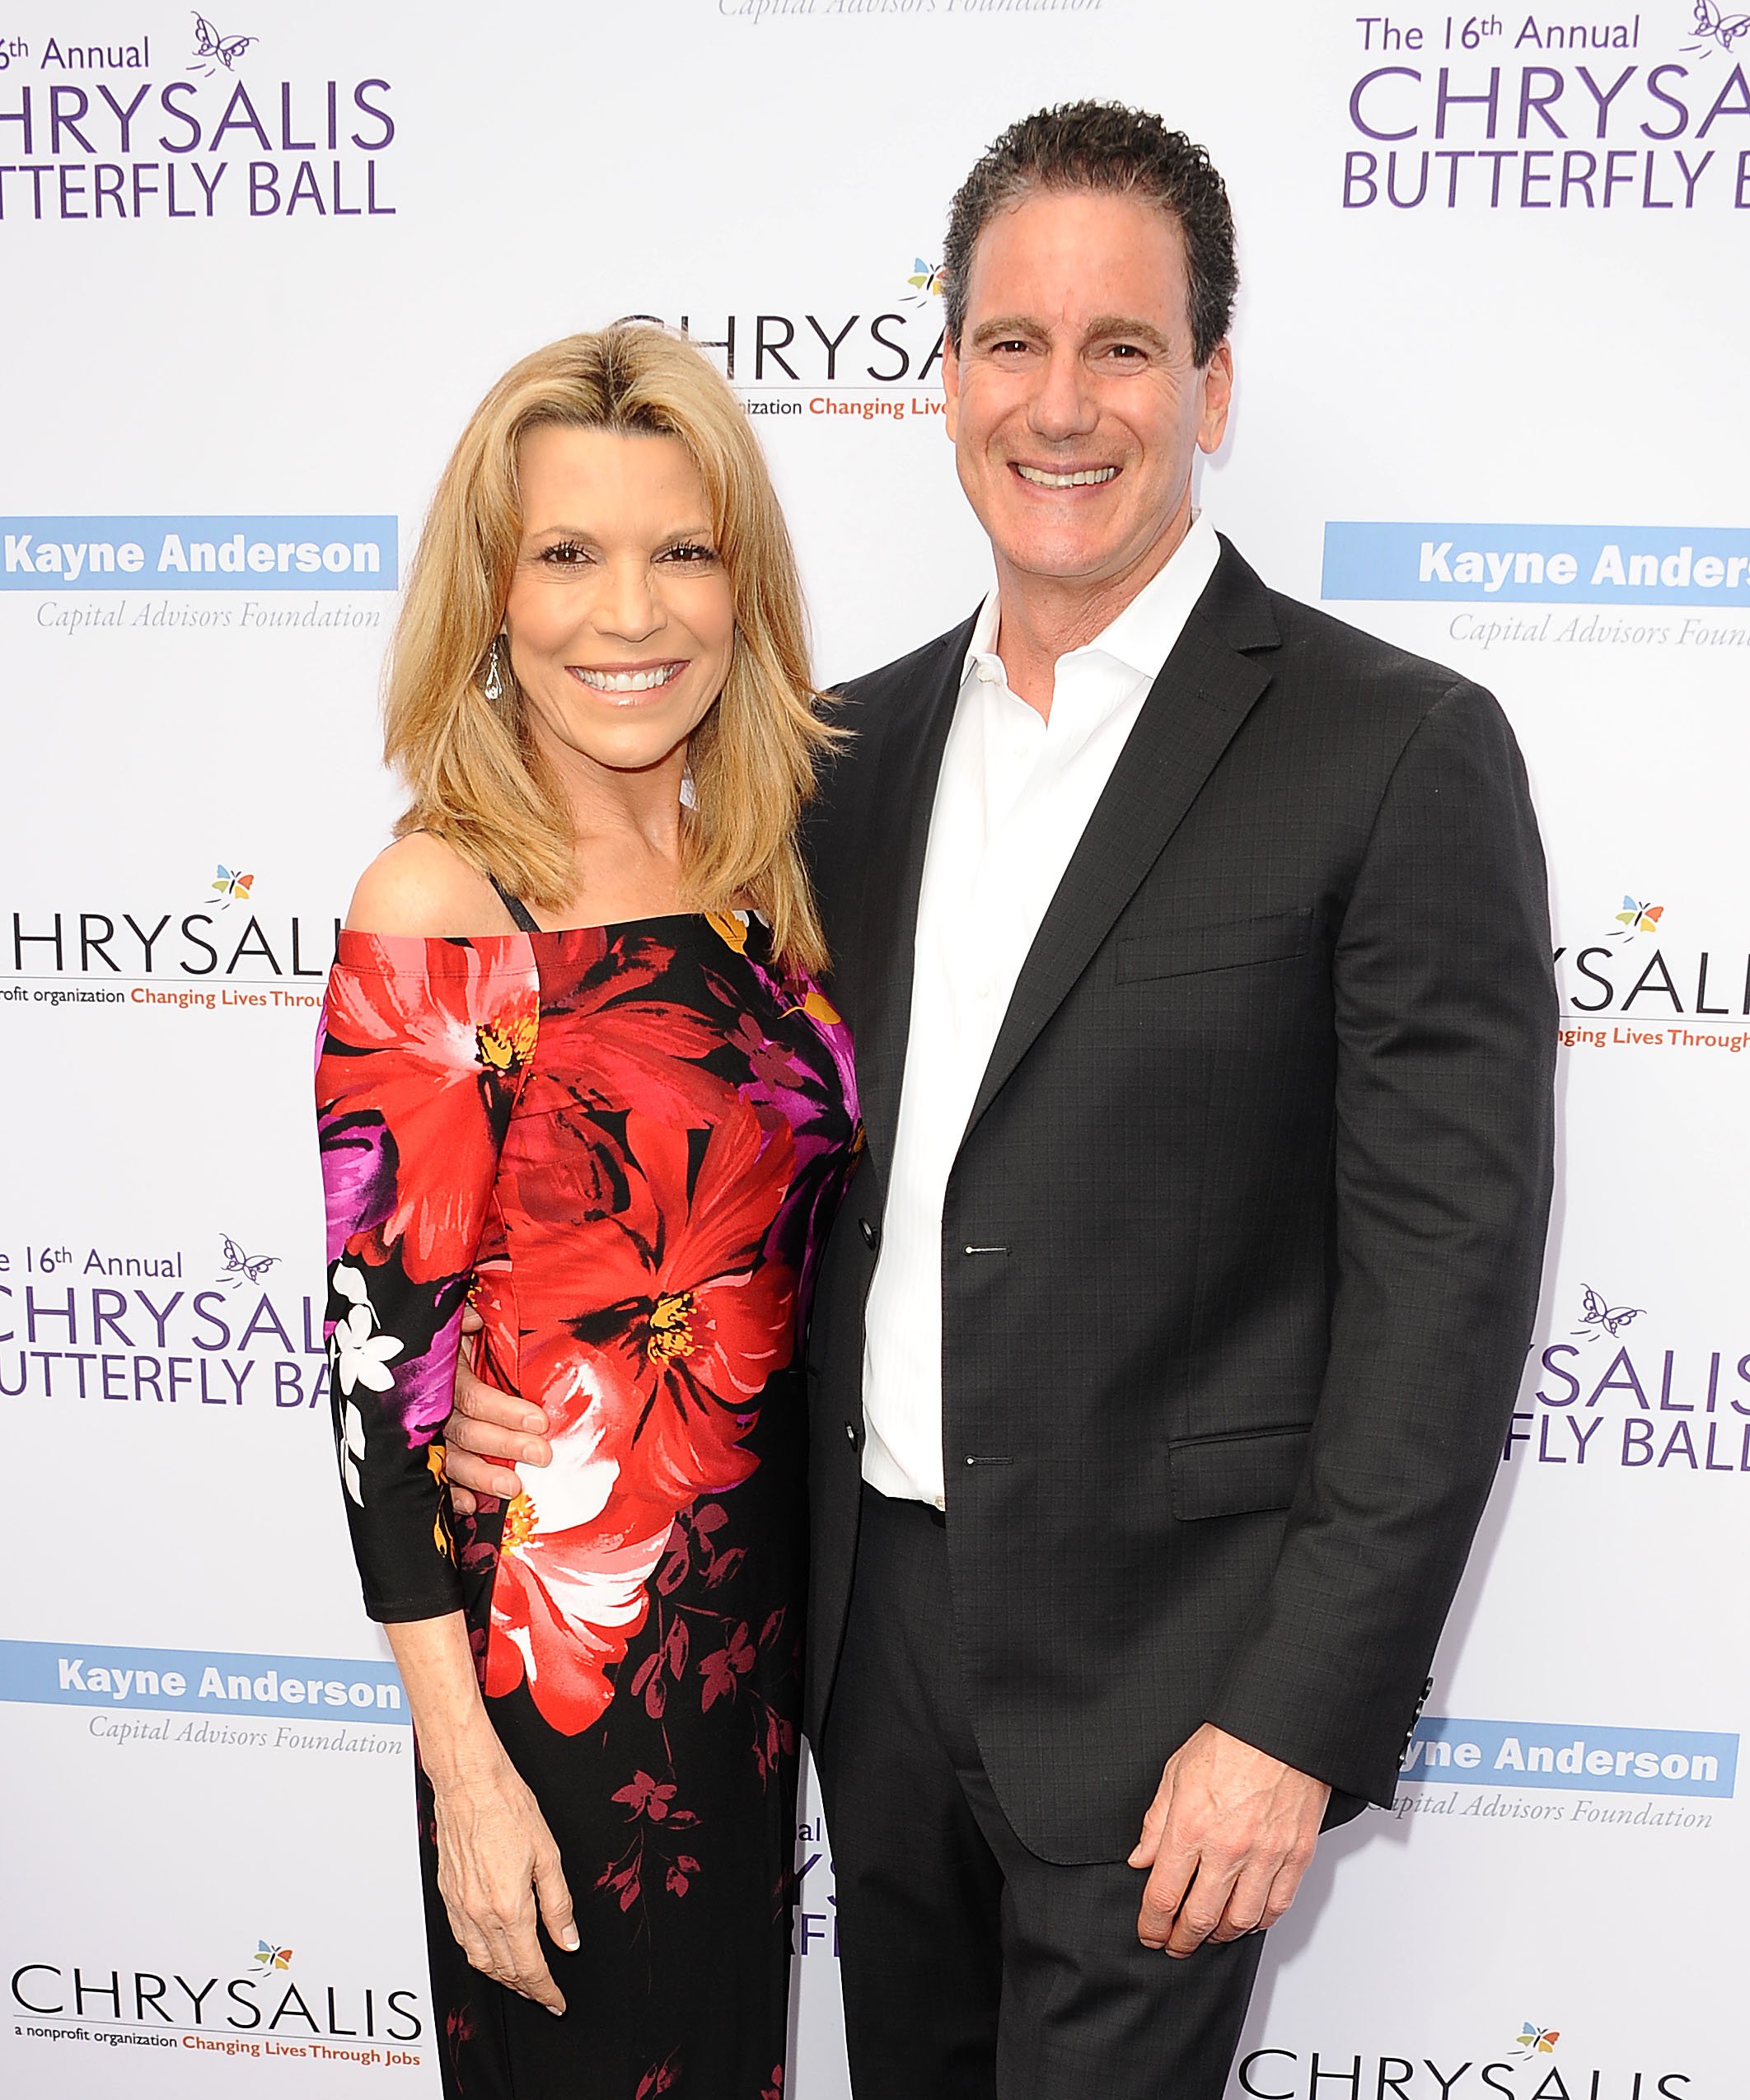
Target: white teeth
{"type": "Point", "coordinates": [630, 681]}
{"type": "Point", "coordinates": [1081, 480]}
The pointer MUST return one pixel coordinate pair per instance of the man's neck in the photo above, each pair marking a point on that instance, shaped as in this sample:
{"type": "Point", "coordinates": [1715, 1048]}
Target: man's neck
{"type": "Point", "coordinates": [1041, 618]}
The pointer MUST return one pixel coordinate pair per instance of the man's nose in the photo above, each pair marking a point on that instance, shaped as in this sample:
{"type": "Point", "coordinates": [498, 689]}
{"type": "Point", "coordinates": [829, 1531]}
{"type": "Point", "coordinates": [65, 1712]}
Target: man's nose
{"type": "Point", "coordinates": [1063, 404]}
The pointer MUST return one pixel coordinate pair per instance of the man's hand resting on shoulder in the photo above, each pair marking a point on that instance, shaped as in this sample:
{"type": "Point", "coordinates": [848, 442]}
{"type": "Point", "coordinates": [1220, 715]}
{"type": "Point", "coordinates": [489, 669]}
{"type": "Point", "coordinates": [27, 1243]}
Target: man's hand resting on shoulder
{"type": "Point", "coordinates": [487, 1433]}
{"type": "Point", "coordinates": [1226, 1840]}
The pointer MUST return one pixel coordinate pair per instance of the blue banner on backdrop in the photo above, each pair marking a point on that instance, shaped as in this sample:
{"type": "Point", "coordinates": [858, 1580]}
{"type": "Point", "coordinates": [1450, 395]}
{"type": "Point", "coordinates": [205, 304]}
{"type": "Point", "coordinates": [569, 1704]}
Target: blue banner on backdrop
{"type": "Point", "coordinates": [1578, 1760]}
{"type": "Point", "coordinates": [198, 1681]}
{"type": "Point", "coordinates": [198, 554]}
{"type": "Point", "coordinates": [1539, 564]}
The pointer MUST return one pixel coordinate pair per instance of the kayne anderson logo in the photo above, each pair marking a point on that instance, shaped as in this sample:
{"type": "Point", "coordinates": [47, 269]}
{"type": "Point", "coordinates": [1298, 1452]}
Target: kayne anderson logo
{"type": "Point", "coordinates": [257, 2008]}
{"type": "Point", "coordinates": [199, 1680]}
{"type": "Point", "coordinates": [1543, 1754]}
{"type": "Point", "coordinates": [1539, 564]}
{"type": "Point", "coordinates": [165, 125]}
{"type": "Point", "coordinates": [199, 554]}
{"type": "Point", "coordinates": [1522, 110]}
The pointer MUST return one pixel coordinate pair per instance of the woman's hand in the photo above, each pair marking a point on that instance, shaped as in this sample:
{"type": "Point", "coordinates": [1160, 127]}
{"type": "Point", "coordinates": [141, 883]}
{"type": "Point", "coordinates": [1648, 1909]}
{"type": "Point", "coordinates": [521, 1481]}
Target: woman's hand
{"type": "Point", "coordinates": [498, 1868]}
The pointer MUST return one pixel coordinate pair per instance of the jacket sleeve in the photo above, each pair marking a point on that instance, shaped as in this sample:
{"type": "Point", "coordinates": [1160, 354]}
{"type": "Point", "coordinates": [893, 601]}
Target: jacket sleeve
{"type": "Point", "coordinates": [421, 1052]}
{"type": "Point", "coordinates": [1445, 1015]}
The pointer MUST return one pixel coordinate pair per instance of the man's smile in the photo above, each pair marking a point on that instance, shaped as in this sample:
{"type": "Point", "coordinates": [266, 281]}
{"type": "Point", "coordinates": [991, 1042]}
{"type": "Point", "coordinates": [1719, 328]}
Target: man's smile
{"type": "Point", "coordinates": [1081, 477]}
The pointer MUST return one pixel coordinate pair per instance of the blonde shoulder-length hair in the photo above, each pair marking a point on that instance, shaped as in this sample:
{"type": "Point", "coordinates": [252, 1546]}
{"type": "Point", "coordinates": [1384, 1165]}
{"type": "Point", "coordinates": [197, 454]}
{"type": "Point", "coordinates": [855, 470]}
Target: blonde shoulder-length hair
{"type": "Point", "coordinates": [478, 779]}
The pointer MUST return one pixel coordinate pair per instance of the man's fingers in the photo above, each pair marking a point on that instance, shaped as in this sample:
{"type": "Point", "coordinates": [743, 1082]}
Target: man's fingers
{"type": "Point", "coordinates": [1201, 1911]}
{"type": "Point", "coordinates": [1248, 1904]}
{"type": "Point", "coordinates": [555, 1899]}
{"type": "Point", "coordinates": [476, 1476]}
{"type": "Point", "coordinates": [514, 1445]}
{"type": "Point", "coordinates": [1146, 1848]}
{"type": "Point", "coordinates": [1286, 1885]}
{"type": "Point", "coordinates": [1163, 1893]}
{"type": "Point", "coordinates": [505, 1410]}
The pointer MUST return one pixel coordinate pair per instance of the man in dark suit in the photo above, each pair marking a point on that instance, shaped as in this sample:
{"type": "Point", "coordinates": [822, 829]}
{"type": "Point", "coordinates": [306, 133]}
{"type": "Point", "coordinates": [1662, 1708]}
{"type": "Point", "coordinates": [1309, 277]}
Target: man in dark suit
{"type": "Point", "coordinates": [1195, 948]}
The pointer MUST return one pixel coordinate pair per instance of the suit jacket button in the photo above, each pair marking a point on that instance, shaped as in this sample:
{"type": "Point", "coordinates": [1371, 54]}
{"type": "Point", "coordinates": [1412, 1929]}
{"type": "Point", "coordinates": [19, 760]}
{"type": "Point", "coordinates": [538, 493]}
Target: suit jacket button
{"type": "Point", "coordinates": [850, 1431]}
{"type": "Point", "coordinates": [871, 1236]}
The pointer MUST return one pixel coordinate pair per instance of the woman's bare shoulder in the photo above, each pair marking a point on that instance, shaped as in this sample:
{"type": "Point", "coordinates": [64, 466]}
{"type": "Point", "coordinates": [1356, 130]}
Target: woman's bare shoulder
{"type": "Point", "coordinates": [420, 885]}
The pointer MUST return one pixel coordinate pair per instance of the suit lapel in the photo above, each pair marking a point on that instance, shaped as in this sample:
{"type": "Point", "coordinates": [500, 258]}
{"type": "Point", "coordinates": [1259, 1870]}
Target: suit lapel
{"type": "Point", "coordinates": [913, 735]}
{"type": "Point", "coordinates": [1206, 690]}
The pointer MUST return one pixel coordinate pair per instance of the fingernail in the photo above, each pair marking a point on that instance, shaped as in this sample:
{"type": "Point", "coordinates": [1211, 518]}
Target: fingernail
{"type": "Point", "coordinates": [557, 2011]}
{"type": "Point", "coordinates": [571, 1943]}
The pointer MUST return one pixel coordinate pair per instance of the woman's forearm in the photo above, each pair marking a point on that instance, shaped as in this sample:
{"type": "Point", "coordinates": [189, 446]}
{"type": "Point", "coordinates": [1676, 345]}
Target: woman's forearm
{"type": "Point", "coordinates": [456, 1741]}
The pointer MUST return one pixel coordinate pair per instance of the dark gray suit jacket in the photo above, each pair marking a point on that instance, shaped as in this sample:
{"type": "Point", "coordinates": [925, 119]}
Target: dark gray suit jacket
{"type": "Point", "coordinates": [1267, 1138]}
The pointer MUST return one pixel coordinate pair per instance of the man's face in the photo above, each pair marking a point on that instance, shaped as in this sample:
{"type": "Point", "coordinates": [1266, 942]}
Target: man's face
{"type": "Point", "coordinates": [1073, 403]}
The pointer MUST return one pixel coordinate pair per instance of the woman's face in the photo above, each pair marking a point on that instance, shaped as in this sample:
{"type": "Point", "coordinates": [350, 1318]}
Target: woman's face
{"type": "Point", "coordinates": [620, 620]}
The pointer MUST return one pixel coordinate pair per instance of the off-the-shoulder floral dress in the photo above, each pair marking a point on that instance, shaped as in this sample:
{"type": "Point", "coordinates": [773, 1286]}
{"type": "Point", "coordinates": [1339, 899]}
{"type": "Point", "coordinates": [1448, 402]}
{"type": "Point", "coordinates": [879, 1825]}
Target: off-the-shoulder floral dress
{"type": "Point", "coordinates": [627, 1143]}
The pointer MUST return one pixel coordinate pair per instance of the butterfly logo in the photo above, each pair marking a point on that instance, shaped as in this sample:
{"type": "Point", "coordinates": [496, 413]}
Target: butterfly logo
{"type": "Point", "coordinates": [210, 44]}
{"type": "Point", "coordinates": [232, 887]}
{"type": "Point", "coordinates": [1596, 1317]}
{"type": "Point", "coordinates": [270, 1956]}
{"type": "Point", "coordinates": [1638, 918]}
{"type": "Point", "coordinates": [926, 281]}
{"type": "Point", "coordinates": [1538, 2041]}
{"type": "Point", "coordinates": [243, 1268]}
{"type": "Point", "coordinates": [1712, 27]}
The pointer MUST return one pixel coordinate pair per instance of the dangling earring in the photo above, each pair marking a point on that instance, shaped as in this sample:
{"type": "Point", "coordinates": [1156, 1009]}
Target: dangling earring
{"type": "Point", "coordinates": [493, 685]}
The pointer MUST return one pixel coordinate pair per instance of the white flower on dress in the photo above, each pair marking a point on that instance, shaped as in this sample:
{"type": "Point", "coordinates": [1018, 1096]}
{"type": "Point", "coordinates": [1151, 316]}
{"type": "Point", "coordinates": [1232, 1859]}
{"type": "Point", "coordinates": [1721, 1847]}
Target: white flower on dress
{"type": "Point", "coordinates": [352, 1449]}
{"type": "Point", "coordinates": [363, 1358]}
{"type": "Point", "coordinates": [360, 1357]}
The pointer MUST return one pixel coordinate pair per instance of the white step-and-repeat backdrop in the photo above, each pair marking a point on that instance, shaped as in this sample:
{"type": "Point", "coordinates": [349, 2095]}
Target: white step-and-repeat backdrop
{"type": "Point", "coordinates": [254, 273]}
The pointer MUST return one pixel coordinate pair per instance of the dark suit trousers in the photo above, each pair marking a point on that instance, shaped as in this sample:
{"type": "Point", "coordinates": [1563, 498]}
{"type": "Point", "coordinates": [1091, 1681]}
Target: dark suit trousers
{"type": "Point", "coordinates": [972, 1969]}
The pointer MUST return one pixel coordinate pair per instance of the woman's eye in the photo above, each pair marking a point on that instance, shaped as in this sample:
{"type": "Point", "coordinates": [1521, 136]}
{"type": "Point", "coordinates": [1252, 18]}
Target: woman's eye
{"type": "Point", "coordinates": [691, 554]}
{"type": "Point", "coordinates": [567, 555]}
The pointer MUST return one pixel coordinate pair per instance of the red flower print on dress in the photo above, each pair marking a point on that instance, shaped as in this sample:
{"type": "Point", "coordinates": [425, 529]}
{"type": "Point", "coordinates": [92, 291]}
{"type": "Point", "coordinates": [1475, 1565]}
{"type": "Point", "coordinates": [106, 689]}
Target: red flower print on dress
{"type": "Point", "coordinates": [649, 1390]}
{"type": "Point", "coordinates": [605, 1042]}
{"type": "Point", "coordinates": [443, 1057]}
{"type": "Point", "coordinates": [645, 1796]}
{"type": "Point", "coordinates": [721, 1670]}
{"type": "Point", "coordinates": [660, 2078]}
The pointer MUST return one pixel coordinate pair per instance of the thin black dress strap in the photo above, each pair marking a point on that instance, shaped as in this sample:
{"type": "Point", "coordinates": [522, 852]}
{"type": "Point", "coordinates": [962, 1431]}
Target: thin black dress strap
{"type": "Point", "coordinates": [518, 910]}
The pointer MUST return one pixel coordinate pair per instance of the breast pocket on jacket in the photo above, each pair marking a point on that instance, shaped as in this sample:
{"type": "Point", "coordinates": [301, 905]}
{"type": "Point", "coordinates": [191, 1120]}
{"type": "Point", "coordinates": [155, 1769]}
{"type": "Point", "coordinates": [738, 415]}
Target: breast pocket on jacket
{"type": "Point", "coordinates": [1163, 950]}
{"type": "Point", "coordinates": [1228, 1475]}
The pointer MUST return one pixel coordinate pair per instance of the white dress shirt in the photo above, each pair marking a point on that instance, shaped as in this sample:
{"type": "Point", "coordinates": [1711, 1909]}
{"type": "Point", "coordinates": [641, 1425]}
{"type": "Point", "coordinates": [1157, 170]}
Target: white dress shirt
{"type": "Point", "coordinates": [1013, 800]}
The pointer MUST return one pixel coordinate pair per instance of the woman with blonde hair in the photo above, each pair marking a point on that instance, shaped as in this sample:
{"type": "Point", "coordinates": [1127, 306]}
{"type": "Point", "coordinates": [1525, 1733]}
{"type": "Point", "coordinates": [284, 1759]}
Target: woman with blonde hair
{"type": "Point", "coordinates": [575, 1070]}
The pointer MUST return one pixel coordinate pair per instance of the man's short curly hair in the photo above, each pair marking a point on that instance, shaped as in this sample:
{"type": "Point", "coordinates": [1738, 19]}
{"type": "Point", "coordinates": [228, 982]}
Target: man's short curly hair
{"type": "Point", "coordinates": [1107, 148]}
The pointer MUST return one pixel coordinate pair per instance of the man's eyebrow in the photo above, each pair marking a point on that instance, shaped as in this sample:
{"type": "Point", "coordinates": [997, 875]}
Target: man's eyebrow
{"type": "Point", "coordinates": [1127, 328]}
{"type": "Point", "coordinates": [1004, 326]}
{"type": "Point", "coordinates": [1106, 327]}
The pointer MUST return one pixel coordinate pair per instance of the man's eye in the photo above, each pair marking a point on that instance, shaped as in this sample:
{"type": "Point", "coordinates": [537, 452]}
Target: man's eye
{"type": "Point", "coordinates": [1126, 350]}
